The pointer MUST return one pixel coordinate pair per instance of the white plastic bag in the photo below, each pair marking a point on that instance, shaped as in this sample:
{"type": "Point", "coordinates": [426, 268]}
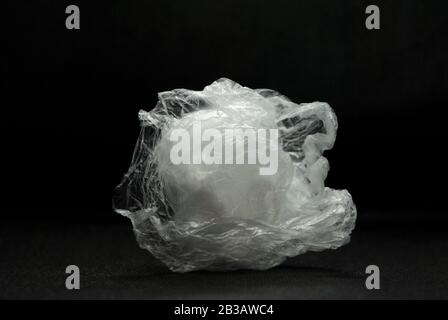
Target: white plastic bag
{"type": "Point", "coordinates": [229, 216]}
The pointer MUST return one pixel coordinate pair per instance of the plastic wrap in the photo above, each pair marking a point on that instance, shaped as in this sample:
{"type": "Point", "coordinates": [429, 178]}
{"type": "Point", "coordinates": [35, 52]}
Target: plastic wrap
{"type": "Point", "coordinates": [229, 216]}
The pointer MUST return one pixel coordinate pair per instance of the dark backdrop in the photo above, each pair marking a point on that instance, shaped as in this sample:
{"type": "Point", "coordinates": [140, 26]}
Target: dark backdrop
{"type": "Point", "coordinates": [70, 97]}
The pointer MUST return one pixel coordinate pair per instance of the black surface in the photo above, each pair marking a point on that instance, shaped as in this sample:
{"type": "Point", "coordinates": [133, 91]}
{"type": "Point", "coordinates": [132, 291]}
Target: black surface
{"type": "Point", "coordinates": [412, 260]}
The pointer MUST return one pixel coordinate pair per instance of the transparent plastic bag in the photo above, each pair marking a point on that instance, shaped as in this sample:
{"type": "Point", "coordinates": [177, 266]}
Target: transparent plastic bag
{"type": "Point", "coordinates": [229, 216]}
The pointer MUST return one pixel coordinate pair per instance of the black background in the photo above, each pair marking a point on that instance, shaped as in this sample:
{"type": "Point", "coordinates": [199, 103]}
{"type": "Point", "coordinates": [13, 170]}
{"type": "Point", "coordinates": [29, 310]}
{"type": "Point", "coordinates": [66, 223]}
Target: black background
{"type": "Point", "coordinates": [70, 97]}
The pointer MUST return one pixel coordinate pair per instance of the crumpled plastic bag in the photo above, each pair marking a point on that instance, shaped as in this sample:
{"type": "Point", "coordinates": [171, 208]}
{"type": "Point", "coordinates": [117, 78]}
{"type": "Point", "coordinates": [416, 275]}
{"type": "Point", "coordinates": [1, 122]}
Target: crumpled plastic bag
{"type": "Point", "coordinates": [229, 216]}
